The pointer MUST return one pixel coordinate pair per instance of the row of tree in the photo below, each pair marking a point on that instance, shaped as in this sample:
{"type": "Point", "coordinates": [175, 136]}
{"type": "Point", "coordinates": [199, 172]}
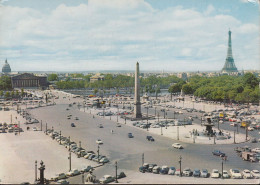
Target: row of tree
{"type": "Point", "coordinates": [151, 83]}
{"type": "Point", "coordinates": [12, 94]}
{"type": "Point", "coordinates": [223, 88]}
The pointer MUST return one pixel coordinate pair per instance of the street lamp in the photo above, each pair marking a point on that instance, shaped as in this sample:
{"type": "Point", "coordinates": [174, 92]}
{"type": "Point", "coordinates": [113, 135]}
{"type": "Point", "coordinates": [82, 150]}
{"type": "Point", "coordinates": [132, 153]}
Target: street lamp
{"type": "Point", "coordinates": [116, 172]}
{"type": "Point", "coordinates": [36, 170]}
{"type": "Point", "coordinates": [180, 166]}
{"type": "Point", "coordinates": [222, 169]}
{"type": "Point", "coordinates": [143, 159]}
{"type": "Point", "coordinates": [178, 133]}
{"type": "Point", "coordinates": [98, 153]}
{"type": "Point", "coordinates": [46, 129]}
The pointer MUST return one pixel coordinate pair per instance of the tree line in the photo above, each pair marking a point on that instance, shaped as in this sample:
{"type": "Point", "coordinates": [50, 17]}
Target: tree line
{"type": "Point", "coordinates": [224, 88]}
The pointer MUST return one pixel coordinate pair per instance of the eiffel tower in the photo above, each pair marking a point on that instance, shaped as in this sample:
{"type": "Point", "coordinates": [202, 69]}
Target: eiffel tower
{"type": "Point", "coordinates": [229, 66]}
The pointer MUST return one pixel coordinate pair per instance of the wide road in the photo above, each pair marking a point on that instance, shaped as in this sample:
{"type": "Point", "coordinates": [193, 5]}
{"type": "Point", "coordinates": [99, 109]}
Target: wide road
{"type": "Point", "coordinates": [128, 151]}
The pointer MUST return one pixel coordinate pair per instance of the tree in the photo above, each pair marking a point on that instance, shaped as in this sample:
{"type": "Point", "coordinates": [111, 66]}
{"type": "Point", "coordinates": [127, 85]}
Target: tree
{"type": "Point", "coordinates": [22, 92]}
{"type": "Point", "coordinates": [17, 93]}
{"type": "Point", "coordinates": [7, 94]}
{"type": "Point", "coordinates": [95, 91]}
{"type": "Point", "coordinates": [1, 93]}
{"type": "Point", "coordinates": [187, 89]}
{"type": "Point", "coordinates": [12, 94]}
{"type": "Point", "coordinates": [250, 80]}
{"type": "Point", "coordinates": [52, 77]}
{"type": "Point", "coordinates": [157, 91]}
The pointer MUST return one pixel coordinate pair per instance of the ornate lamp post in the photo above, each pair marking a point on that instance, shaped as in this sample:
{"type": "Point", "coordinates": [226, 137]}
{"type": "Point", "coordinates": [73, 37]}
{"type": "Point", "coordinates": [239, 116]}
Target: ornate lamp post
{"type": "Point", "coordinates": [180, 166]}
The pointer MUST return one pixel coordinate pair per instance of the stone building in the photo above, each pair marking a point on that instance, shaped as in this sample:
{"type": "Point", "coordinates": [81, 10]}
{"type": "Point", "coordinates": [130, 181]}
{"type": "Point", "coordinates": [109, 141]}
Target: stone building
{"type": "Point", "coordinates": [27, 80]}
{"type": "Point", "coordinates": [96, 77]}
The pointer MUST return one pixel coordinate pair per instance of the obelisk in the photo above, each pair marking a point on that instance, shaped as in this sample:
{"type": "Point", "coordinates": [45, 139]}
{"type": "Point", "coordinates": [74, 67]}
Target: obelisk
{"type": "Point", "coordinates": [137, 103]}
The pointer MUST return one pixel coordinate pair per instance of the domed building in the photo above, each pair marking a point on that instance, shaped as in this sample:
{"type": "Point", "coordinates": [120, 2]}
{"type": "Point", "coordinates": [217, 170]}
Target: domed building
{"type": "Point", "coordinates": [6, 68]}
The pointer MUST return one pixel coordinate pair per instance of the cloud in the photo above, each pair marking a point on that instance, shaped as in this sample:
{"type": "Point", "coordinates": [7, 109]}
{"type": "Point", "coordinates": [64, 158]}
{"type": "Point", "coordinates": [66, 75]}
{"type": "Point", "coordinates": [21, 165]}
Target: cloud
{"type": "Point", "coordinates": [115, 34]}
{"type": "Point", "coordinates": [210, 9]}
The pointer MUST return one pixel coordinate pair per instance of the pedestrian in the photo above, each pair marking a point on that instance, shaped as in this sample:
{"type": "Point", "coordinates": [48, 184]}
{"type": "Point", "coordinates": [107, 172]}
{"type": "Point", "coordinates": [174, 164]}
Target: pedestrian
{"type": "Point", "coordinates": [112, 131]}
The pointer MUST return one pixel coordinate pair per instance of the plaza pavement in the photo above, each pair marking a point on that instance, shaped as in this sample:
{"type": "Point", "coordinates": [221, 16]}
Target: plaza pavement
{"type": "Point", "coordinates": [19, 152]}
{"type": "Point", "coordinates": [171, 131]}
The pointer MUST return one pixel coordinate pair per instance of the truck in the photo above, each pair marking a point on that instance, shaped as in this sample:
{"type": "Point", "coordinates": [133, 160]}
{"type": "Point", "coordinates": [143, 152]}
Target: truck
{"type": "Point", "coordinates": [249, 156]}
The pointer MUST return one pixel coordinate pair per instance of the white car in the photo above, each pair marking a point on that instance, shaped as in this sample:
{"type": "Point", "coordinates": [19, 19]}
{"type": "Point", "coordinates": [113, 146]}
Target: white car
{"type": "Point", "coordinates": [215, 173]}
{"type": "Point", "coordinates": [73, 173]}
{"type": "Point", "coordinates": [177, 145]}
{"type": "Point", "coordinates": [225, 174]}
{"type": "Point", "coordinates": [99, 141]}
{"type": "Point", "coordinates": [34, 129]}
{"type": "Point", "coordinates": [235, 174]}
{"type": "Point", "coordinates": [246, 174]}
{"type": "Point", "coordinates": [250, 128]}
{"type": "Point", "coordinates": [255, 174]}
{"type": "Point", "coordinates": [256, 150]}
{"type": "Point", "coordinates": [106, 179]}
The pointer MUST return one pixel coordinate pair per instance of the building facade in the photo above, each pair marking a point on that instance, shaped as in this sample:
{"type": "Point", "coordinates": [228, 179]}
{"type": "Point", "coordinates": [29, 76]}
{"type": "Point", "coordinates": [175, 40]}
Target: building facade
{"type": "Point", "coordinates": [27, 80]}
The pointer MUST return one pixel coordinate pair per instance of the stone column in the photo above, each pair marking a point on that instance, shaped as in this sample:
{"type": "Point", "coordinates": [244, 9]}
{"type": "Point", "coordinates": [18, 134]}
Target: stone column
{"type": "Point", "coordinates": [137, 103]}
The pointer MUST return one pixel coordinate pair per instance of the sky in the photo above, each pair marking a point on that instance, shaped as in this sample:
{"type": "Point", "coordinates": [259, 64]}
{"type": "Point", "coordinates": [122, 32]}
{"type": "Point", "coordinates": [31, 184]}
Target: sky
{"type": "Point", "coordinates": [98, 35]}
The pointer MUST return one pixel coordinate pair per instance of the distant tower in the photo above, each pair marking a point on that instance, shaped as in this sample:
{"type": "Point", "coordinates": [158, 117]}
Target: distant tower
{"type": "Point", "coordinates": [137, 103]}
{"type": "Point", "coordinates": [6, 68]}
{"type": "Point", "coordinates": [229, 66]}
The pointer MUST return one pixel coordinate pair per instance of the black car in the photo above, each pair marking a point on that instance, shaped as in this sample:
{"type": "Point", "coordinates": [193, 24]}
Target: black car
{"type": "Point", "coordinates": [218, 153]}
{"type": "Point", "coordinates": [73, 125]}
{"type": "Point", "coordinates": [142, 169]}
{"type": "Point", "coordinates": [130, 135]}
{"type": "Point", "coordinates": [150, 138]}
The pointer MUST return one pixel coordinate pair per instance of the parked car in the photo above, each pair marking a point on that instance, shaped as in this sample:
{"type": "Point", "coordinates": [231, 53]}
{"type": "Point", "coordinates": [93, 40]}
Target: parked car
{"type": "Point", "coordinates": [130, 135]}
{"type": "Point", "coordinates": [164, 170]}
{"type": "Point", "coordinates": [156, 169]}
{"type": "Point", "coordinates": [246, 174]}
{"type": "Point", "coordinates": [142, 169]}
{"type": "Point", "coordinates": [215, 173]}
{"type": "Point", "coordinates": [218, 153]}
{"type": "Point", "coordinates": [121, 175]}
{"type": "Point", "coordinates": [62, 182]}
{"type": "Point", "coordinates": [256, 150]}
{"type": "Point", "coordinates": [150, 138]}
{"type": "Point", "coordinates": [99, 141]}
{"type": "Point", "coordinates": [73, 125]}
{"type": "Point", "coordinates": [196, 173]}
{"type": "Point", "coordinates": [59, 176]}
{"type": "Point", "coordinates": [73, 173]}
{"type": "Point", "coordinates": [171, 171]}
{"type": "Point", "coordinates": [187, 172]}
{"type": "Point", "coordinates": [255, 174]}
{"type": "Point", "coordinates": [204, 173]}
{"type": "Point", "coordinates": [178, 172]}
{"type": "Point", "coordinates": [235, 174]}
{"type": "Point", "coordinates": [225, 174]}
{"type": "Point", "coordinates": [150, 167]}
{"type": "Point", "coordinates": [86, 169]}
{"type": "Point", "coordinates": [177, 145]}
{"type": "Point", "coordinates": [106, 179]}
{"type": "Point", "coordinates": [104, 160]}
